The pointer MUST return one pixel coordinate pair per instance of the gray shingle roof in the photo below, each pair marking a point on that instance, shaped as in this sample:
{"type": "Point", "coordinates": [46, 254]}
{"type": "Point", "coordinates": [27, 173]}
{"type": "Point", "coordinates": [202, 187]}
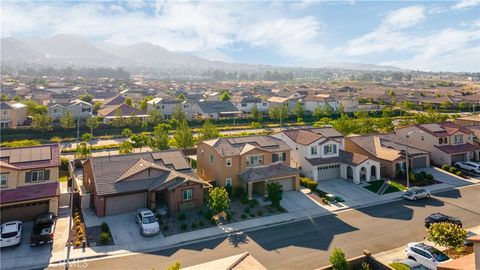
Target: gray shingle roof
{"type": "Point", "coordinates": [235, 146]}
{"type": "Point", "coordinates": [217, 106]}
{"type": "Point", "coordinates": [274, 170]}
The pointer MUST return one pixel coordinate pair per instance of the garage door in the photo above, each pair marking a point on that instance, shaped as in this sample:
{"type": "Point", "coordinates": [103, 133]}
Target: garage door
{"type": "Point", "coordinates": [418, 162]}
{"type": "Point", "coordinates": [125, 203]}
{"type": "Point", "coordinates": [328, 172]}
{"type": "Point", "coordinates": [456, 158]}
{"type": "Point", "coordinates": [24, 212]}
{"type": "Point", "coordinates": [286, 183]}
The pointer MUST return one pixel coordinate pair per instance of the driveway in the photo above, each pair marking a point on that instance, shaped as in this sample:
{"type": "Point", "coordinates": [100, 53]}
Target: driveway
{"type": "Point", "coordinates": [298, 202]}
{"type": "Point", "coordinates": [448, 178]}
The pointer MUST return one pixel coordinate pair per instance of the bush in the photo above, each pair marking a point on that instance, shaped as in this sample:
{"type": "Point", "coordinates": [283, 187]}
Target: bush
{"type": "Point", "coordinates": [182, 216]}
{"type": "Point", "coordinates": [80, 237]}
{"type": "Point", "coordinates": [64, 163]}
{"type": "Point", "coordinates": [184, 226]}
{"type": "Point", "coordinates": [208, 215]}
{"type": "Point", "coordinates": [244, 200]}
{"type": "Point", "coordinates": [260, 213]}
{"type": "Point", "coordinates": [252, 214]}
{"type": "Point", "coordinates": [453, 170]}
{"type": "Point", "coordinates": [165, 228]}
{"type": "Point", "coordinates": [308, 183]}
{"type": "Point", "coordinates": [238, 192]}
{"type": "Point", "coordinates": [243, 216]}
{"type": "Point", "coordinates": [247, 210]}
{"type": "Point", "coordinates": [194, 225]}
{"type": "Point", "coordinates": [446, 167]}
{"type": "Point", "coordinates": [201, 223]}
{"type": "Point", "coordinates": [78, 243]}
{"type": "Point", "coordinates": [228, 215]}
{"type": "Point", "coordinates": [459, 173]}
{"type": "Point", "coordinates": [104, 238]}
{"type": "Point", "coordinates": [105, 227]}
{"type": "Point", "coordinates": [213, 221]}
{"type": "Point", "coordinates": [325, 201]}
{"type": "Point", "coordinates": [419, 177]}
{"type": "Point", "coordinates": [253, 203]}
{"type": "Point", "coordinates": [339, 199]}
{"type": "Point", "coordinates": [429, 176]}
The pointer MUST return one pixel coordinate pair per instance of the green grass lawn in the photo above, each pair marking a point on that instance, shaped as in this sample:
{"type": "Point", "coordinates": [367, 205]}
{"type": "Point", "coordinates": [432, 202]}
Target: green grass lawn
{"type": "Point", "coordinates": [393, 187]}
{"type": "Point", "coordinates": [63, 176]}
{"type": "Point", "coordinates": [375, 186]}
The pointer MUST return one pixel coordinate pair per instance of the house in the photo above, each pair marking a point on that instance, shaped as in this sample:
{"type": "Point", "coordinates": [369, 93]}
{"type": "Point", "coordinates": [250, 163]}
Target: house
{"type": "Point", "coordinates": [473, 120]}
{"type": "Point", "coordinates": [62, 98]}
{"type": "Point", "coordinates": [29, 181]}
{"type": "Point", "coordinates": [80, 110]}
{"type": "Point", "coordinates": [215, 109]}
{"type": "Point", "coordinates": [246, 103]}
{"type": "Point", "coordinates": [122, 110]}
{"type": "Point", "coordinates": [320, 100]}
{"type": "Point", "coordinates": [349, 103]}
{"type": "Point", "coordinates": [319, 153]}
{"type": "Point", "coordinates": [249, 162]}
{"type": "Point", "coordinates": [126, 183]}
{"type": "Point", "coordinates": [389, 151]}
{"type": "Point", "coordinates": [113, 101]}
{"type": "Point", "coordinates": [447, 142]}
{"type": "Point", "coordinates": [13, 114]}
{"type": "Point", "coordinates": [290, 102]}
{"type": "Point", "coordinates": [168, 106]}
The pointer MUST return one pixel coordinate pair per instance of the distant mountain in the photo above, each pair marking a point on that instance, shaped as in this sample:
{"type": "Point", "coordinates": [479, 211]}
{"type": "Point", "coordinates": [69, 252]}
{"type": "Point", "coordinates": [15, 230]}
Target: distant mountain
{"type": "Point", "coordinates": [360, 66]}
{"type": "Point", "coordinates": [13, 50]}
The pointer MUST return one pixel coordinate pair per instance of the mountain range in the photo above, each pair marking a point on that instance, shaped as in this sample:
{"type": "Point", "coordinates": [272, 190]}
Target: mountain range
{"type": "Point", "coordinates": [70, 50]}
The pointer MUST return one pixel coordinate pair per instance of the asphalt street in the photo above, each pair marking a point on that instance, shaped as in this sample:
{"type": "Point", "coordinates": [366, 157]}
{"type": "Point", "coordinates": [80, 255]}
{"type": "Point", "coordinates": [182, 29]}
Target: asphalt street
{"type": "Point", "coordinates": [307, 244]}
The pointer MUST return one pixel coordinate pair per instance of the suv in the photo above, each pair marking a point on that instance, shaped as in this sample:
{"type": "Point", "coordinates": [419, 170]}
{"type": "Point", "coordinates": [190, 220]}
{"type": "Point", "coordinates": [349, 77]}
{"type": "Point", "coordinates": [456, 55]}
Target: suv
{"type": "Point", "coordinates": [468, 166]}
{"type": "Point", "coordinates": [147, 222]}
{"type": "Point", "coordinates": [439, 218]}
{"type": "Point", "coordinates": [43, 228]}
{"type": "Point", "coordinates": [426, 255]}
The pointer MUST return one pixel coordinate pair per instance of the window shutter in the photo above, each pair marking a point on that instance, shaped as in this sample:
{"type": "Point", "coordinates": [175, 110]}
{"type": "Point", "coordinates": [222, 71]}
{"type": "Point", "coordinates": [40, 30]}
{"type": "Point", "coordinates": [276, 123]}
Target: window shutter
{"type": "Point", "coordinates": [28, 177]}
{"type": "Point", "coordinates": [46, 175]}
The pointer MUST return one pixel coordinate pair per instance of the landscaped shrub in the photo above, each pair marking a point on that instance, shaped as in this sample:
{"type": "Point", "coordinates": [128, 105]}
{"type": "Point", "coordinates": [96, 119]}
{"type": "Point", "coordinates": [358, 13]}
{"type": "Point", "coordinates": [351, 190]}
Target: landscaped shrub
{"type": "Point", "coordinates": [64, 163]}
{"type": "Point", "coordinates": [243, 216]}
{"type": "Point", "coordinates": [208, 214]}
{"type": "Point", "coordinates": [194, 225]}
{"type": "Point", "coordinates": [184, 226]}
{"type": "Point", "coordinates": [419, 177]}
{"type": "Point", "coordinates": [247, 210]}
{"type": "Point", "coordinates": [325, 201]}
{"type": "Point", "coordinates": [104, 237]}
{"type": "Point", "coordinates": [228, 215]}
{"type": "Point", "coordinates": [105, 227]}
{"type": "Point", "coordinates": [244, 200]}
{"type": "Point", "coordinates": [77, 243]}
{"type": "Point", "coordinates": [429, 176]}
{"type": "Point", "coordinates": [339, 199]}
{"type": "Point", "coordinates": [453, 170]}
{"type": "Point", "coordinates": [80, 237]}
{"type": "Point", "coordinates": [260, 213]}
{"type": "Point", "coordinates": [446, 167]}
{"type": "Point", "coordinates": [308, 183]}
{"type": "Point", "coordinates": [252, 214]}
{"type": "Point", "coordinates": [238, 192]}
{"type": "Point", "coordinates": [201, 223]}
{"type": "Point", "coordinates": [182, 216]}
{"type": "Point", "coordinates": [459, 173]}
{"type": "Point", "coordinates": [253, 203]}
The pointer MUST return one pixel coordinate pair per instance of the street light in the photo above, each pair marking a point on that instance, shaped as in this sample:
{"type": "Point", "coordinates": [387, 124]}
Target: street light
{"type": "Point", "coordinates": [406, 154]}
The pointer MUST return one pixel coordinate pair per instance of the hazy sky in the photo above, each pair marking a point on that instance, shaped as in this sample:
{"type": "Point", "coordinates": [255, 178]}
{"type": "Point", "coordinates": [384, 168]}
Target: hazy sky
{"type": "Point", "coordinates": [415, 35]}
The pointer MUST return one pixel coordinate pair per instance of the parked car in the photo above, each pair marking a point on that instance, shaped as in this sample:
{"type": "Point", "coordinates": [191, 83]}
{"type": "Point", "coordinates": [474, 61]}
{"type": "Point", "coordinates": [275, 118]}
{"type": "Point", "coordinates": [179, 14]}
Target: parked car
{"type": "Point", "coordinates": [414, 194]}
{"type": "Point", "coordinates": [10, 233]}
{"type": "Point", "coordinates": [469, 243]}
{"type": "Point", "coordinates": [439, 218]}
{"type": "Point", "coordinates": [407, 264]}
{"type": "Point", "coordinates": [426, 255]}
{"type": "Point", "coordinates": [147, 222]}
{"type": "Point", "coordinates": [43, 229]}
{"type": "Point", "coordinates": [468, 166]}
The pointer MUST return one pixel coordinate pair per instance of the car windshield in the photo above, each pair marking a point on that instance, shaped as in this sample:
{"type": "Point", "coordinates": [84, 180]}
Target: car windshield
{"type": "Point", "coordinates": [148, 220]}
{"type": "Point", "coordinates": [439, 256]}
{"type": "Point", "coordinates": [410, 191]}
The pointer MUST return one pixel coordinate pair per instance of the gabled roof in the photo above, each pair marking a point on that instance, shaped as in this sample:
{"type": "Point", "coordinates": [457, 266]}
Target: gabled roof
{"type": "Point", "coordinates": [443, 129]}
{"type": "Point", "coordinates": [137, 167]}
{"type": "Point", "coordinates": [227, 147]}
{"type": "Point", "coordinates": [5, 106]}
{"type": "Point", "coordinates": [124, 109]}
{"type": "Point", "coordinates": [310, 135]}
{"type": "Point", "coordinates": [217, 107]}
{"type": "Point", "coordinates": [274, 170]}
{"type": "Point", "coordinates": [116, 100]}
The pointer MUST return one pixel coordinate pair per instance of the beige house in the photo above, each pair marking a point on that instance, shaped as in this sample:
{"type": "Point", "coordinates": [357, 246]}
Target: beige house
{"type": "Point", "coordinates": [447, 142]}
{"type": "Point", "coordinates": [249, 162]}
{"type": "Point", "coordinates": [12, 114]}
{"type": "Point", "coordinates": [473, 120]}
{"type": "Point", "coordinates": [29, 181]}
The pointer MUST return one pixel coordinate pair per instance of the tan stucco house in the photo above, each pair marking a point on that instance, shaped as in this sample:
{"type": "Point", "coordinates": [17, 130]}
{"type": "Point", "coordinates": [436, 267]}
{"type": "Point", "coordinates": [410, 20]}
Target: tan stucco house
{"type": "Point", "coordinates": [29, 181]}
{"type": "Point", "coordinates": [12, 114]}
{"type": "Point", "coordinates": [249, 162]}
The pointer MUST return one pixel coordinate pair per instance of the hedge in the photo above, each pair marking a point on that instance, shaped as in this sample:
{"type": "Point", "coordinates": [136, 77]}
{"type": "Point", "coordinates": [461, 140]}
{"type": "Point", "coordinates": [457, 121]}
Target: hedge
{"type": "Point", "coordinates": [308, 183]}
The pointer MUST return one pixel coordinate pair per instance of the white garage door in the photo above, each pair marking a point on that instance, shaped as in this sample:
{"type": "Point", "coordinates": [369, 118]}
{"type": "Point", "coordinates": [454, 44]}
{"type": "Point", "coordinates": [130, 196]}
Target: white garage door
{"type": "Point", "coordinates": [125, 203]}
{"type": "Point", "coordinates": [286, 183]}
{"type": "Point", "coordinates": [328, 172]}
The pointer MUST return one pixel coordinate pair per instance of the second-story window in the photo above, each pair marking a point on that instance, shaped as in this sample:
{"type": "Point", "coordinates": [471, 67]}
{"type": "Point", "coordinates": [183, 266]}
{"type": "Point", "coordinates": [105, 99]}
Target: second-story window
{"type": "Point", "coordinates": [37, 176]}
{"type": "Point", "coordinates": [211, 158]}
{"type": "Point", "coordinates": [4, 180]}
{"type": "Point", "coordinates": [442, 140]}
{"type": "Point", "coordinates": [4, 112]}
{"type": "Point", "coordinates": [85, 109]}
{"type": "Point", "coordinates": [330, 149]}
{"type": "Point", "coordinates": [313, 150]}
{"type": "Point", "coordinates": [279, 157]}
{"type": "Point", "coordinates": [254, 160]}
{"type": "Point", "coordinates": [228, 162]}
{"type": "Point", "coordinates": [458, 139]}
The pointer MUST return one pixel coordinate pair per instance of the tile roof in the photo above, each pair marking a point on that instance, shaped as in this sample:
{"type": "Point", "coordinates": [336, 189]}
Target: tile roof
{"type": "Point", "coordinates": [457, 149]}
{"type": "Point", "coordinates": [274, 170]}
{"type": "Point", "coordinates": [31, 157]}
{"type": "Point", "coordinates": [345, 157]}
{"type": "Point", "coordinates": [29, 192]}
{"type": "Point", "coordinates": [217, 107]}
{"type": "Point", "coordinates": [5, 106]}
{"type": "Point", "coordinates": [116, 100]}
{"type": "Point", "coordinates": [125, 110]}
{"type": "Point", "coordinates": [308, 136]}
{"type": "Point", "coordinates": [443, 129]}
{"type": "Point", "coordinates": [234, 146]}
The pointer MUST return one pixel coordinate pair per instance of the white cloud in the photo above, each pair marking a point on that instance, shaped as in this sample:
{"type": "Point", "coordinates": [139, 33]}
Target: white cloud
{"type": "Point", "coordinates": [464, 4]}
{"type": "Point", "coordinates": [405, 17]}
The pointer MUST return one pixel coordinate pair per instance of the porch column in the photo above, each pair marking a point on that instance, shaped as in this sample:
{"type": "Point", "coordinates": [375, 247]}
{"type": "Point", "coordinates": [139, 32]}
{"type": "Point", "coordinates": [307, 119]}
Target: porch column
{"type": "Point", "coordinates": [265, 188]}
{"type": "Point", "coordinates": [377, 168]}
{"type": "Point", "coordinates": [368, 172]}
{"type": "Point", "coordinates": [249, 190]}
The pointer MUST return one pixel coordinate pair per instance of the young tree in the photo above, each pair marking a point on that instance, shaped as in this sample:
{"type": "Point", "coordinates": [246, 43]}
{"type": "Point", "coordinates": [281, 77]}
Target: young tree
{"type": "Point", "coordinates": [299, 110]}
{"type": "Point", "coordinates": [447, 235]}
{"type": "Point", "coordinates": [42, 122]}
{"type": "Point", "coordinates": [183, 135]}
{"type": "Point", "coordinates": [328, 110]}
{"type": "Point", "coordinates": [387, 112]}
{"type": "Point", "coordinates": [126, 132]}
{"type": "Point", "coordinates": [129, 101]}
{"type": "Point", "coordinates": [87, 98]}
{"type": "Point", "coordinates": [143, 104]}
{"type": "Point", "coordinates": [462, 105]}
{"type": "Point", "coordinates": [338, 261]}
{"type": "Point", "coordinates": [218, 200]}
{"type": "Point", "coordinates": [225, 96]}
{"type": "Point", "coordinates": [159, 141]}
{"type": "Point", "coordinates": [209, 131]}
{"type": "Point", "coordinates": [279, 112]}
{"type": "Point", "coordinates": [87, 137]}
{"type": "Point", "coordinates": [68, 121]}
{"type": "Point", "coordinates": [319, 112]}
{"type": "Point", "coordinates": [96, 106]}
{"type": "Point", "coordinates": [83, 150]}
{"type": "Point", "coordinates": [446, 105]}
{"type": "Point", "coordinates": [174, 266]}
{"type": "Point", "coordinates": [133, 121]}
{"type": "Point", "coordinates": [178, 115]}
{"type": "Point", "coordinates": [274, 193]}
{"type": "Point", "coordinates": [181, 96]}
{"type": "Point", "coordinates": [126, 147]}
{"type": "Point", "coordinates": [139, 140]}
{"type": "Point", "coordinates": [155, 117]}
{"type": "Point", "coordinates": [118, 121]}
{"type": "Point", "coordinates": [93, 122]}
{"type": "Point", "coordinates": [255, 114]}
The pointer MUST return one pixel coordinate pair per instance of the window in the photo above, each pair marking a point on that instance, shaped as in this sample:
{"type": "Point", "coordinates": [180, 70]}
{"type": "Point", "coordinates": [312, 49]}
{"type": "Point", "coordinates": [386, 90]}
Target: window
{"type": "Point", "coordinates": [279, 157]}
{"type": "Point", "coordinates": [313, 150]}
{"type": "Point", "coordinates": [85, 109]}
{"type": "Point", "coordinates": [254, 160]}
{"type": "Point", "coordinates": [442, 140]}
{"type": "Point", "coordinates": [228, 182]}
{"type": "Point", "coordinates": [244, 105]}
{"type": "Point", "coordinates": [211, 158]}
{"type": "Point", "coordinates": [203, 152]}
{"type": "Point", "coordinates": [458, 138]}
{"type": "Point", "coordinates": [187, 194]}
{"type": "Point", "coordinates": [185, 106]}
{"type": "Point", "coordinates": [228, 162]}
{"type": "Point", "coordinates": [4, 112]}
{"type": "Point", "coordinates": [55, 110]}
{"type": "Point", "coordinates": [3, 180]}
{"type": "Point", "coordinates": [37, 176]}
{"type": "Point", "coordinates": [330, 149]}
{"type": "Point", "coordinates": [264, 104]}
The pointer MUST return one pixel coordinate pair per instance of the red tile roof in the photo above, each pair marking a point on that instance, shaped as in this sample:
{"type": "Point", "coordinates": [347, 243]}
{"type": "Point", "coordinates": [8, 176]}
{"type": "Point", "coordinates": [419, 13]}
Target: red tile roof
{"type": "Point", "coordinates": [29, 192]}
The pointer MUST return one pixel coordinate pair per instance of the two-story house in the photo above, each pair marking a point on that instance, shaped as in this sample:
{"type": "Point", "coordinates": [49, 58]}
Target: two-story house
{"type": "Point", "coordinates": [319, 154]}
{"type": "Point", "coordinates": [249, 162]}
{"type": "Point", "coordinates": [215, 109]}
{"type": "Point", "coordinates": [29, 181]}
{"type": "Point", "coordinates": [447, 142]}
{"type": "Point", "coordinates": [168, 106]}
{"type": "Point", "coordinates": [312, 102]}
{"type": "Point", "coordinates": [246, 103]}
{"type": "Point", "coordinates": [79, 109]}
{"type": "Point", "coordinates": [12, 114]}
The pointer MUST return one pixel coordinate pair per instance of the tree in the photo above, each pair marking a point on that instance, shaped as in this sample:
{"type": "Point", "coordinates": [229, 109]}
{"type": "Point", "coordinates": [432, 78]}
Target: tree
{"type": "Point", "coordinates": [181, 96]}
{"type": "Point", "coordinates": [387, 112]}
{"type": "Point", "coordinates": [462, 105]}
{"type": "Point", "coordinates": [96, 106]}
{"type": "Point", "coordinates": [139, 140]}
{"type": "Point", "coordinates": [83, 150]}
{"type": "Point", "coordinates": [446, 104]}
{"type": "Point", "coordinates": [42, 122]}
{"type": "Point", "coordinates": [390, 93]}
{"type": "Point", "coordinates": [87, 98]}
{"type": "Point", "coordinates": [67, 121]}
{"type": "Point", "coordinates": [174, 266]}
{"type": "Point", "coordinates": [159, 141]}
{"type": "Point", "coordinates": [34, 108]}
{"type": "Point", "coordinates": [143, 104]}
{"type": "Point", "coordinates": [255, 114]}
{"type": "Point", "coordinates": [129, 101]}
{"type": "Point", "coordinates": [319, 112]}
{"type": "Point", "coordinates": [118, 121]}
{"type": "Point", "coordinates": [183, 135]}
{"type": "Point", "coordinates": [126, 132]}
{"type": "Point", "coordinates": [87, 137]}
{"type": "Point", "coordinates": [274, 193]}
{"type": "Point", "coordinates": [338, 261]}
{"type": "Point", "coordinates": [133, 121]}
{"type": "Point", "coordinates": [299, 110]}
{"type": "Point", "coordinates": [279, 112]}
{"type": "Point", "coordinates": [155, 117]}
{"type": "Point", "coordinates": [218, 200]}
{"type": "Point", "coordinates": [447, 235]}
{"type": "Point", "coordinates": [178, 115]}
{"type": "Point", "coordinates": [225, 96]}
{"type": "Point", "coordinates": [93, 122]}
{"type": "Point", "coordinates": [431, 116]}
{"type": "Point", "coordinates": [126, 147]}
{"type": "Point", "coordinates": [209, 131]}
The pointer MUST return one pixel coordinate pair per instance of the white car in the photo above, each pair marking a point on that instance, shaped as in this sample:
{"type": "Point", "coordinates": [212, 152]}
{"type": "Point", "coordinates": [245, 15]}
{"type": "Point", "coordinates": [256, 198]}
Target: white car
{"type": "Point", "coordinates": [426, 255]}
{"type": "Point", "coordinates": [468, 166]}
{"type": "Point", "coordinates": [414, 194]}
{"type": "Point", "coordinates": [147, 222]}
{"type": "Point", "coordinates": [11, 233]}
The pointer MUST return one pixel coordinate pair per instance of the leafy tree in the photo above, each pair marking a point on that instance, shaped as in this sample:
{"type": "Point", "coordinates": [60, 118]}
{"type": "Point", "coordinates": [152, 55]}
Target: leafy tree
{"type": "Point", "coordinates": [139, 140]}
{"type": "Point", "coordinates": [446, 104]}
{"type": "Point", "coordinates": [183, 135]}
{"type": "Point", "coordinates": [159, 141]}
{"type": "Point", "coordinates": [390, 93]}
{"type": "Point", "coordinates": [278, 112]}
{"type": "Point", "coordinates": [225, 96]}
{"type": "Point", "coordinates": [431, 116]}
{"type": "Point", "coordinates": [407, 105]}
{"type": "Point", "coordinates": [255, 114]}
{"type": "Point", "coordinates": [174, 266]}
{"type": "Point", "coordinates": [87, 137]}
{"type": "Point", "coordinates": [126, 147]}
{"type": "Point", "coordinates": [462, 105]}
{"type": "Point", "coordinates": [133, 121]}
{"type": "Point", "coordinates": [319, 112]}
{"type": "Point", "coordinates": [143, 104]}
{"type": "Point", "coordinates": [126, 132]}
{"type": "Point", "coordinates": [93, 122]}
{"type": "Point", "coordinates": [3, 97]}
{"type": "Point", "coordinates": [87, 98]}
{"type": "Point", "coordinates": [17, 98]}
{"type": "Point", "coordinates": [42, 122]}
{"type": "Point", "coordinates": [83, 150]}
{"type": "Point", "coordinates": [338, 261]}
{"type": "Point", "coordinates": [327, 110]}
{"type": "Point", "coordinates": [181, 96]}
{"type": "Point", "coordinates": [360, 114]}
{"type": "Point", "coordinates": [155, 117]}
{"type": "Point", "coordinates": [274, 193]}
{"type": "Point", "coordinates": [34, 108]}
{"type": "Point", "coordinates": [218, 200]}
{"type": "Point", "coordinates": [209, 131]}
{"type": "Point", "coordinates": [67, 121]}
{"type": "Point", "coordinates": [447, 235]}
{"type": "Point", "coordinates": [299, 110]}
{"type": "Point", "coordinates": [387, 112]}
{"type": "Point", "coordinates": [96, 106]}
{"type": "Point", "coordinates": [178, 115]}
{"type": "Point", "coordinates": [118, 121]}
{"type": "Point", "coordinates": [129, 101]}
{"type": "Point", "coordinates": [341, 109]}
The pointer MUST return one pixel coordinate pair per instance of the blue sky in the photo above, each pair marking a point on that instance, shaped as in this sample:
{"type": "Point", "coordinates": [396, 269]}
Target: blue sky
{"type": "Point", "coordinates": [426, 35]}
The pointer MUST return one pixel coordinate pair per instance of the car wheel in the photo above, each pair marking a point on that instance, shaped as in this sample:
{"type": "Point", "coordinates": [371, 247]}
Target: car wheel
{"type": "Point", "coordinates": [428, 195]}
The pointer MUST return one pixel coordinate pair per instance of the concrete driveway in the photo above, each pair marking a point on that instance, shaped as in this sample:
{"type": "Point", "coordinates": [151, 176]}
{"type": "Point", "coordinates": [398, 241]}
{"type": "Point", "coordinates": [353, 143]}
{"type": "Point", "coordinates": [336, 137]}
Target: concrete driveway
{"type": "Point", "coordinates": [298, 202]}
{"type": "Point", "coordinates": [353, 194]}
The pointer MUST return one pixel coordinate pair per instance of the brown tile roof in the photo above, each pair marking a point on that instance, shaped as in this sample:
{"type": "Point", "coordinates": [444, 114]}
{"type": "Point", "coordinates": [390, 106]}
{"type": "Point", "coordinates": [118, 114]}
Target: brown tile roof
{"type": "Point", "coordinates": [308, 136]}
{"type": "Point", "coordinates": [31, 157]}
{"type": "Point", "coordinates": [274, 170]}
{"type": "Point", "coordinates": [443, 129]}
{"type": "Point", "coordinates": [344, 157]}
{"type": "Point", "coordinates": [459, 148]}
{"type": "Point", "coordinates": [124, 109]}
{"type": "Point", "coordinates": [234, 146]}
{"type": "Point", "coordinates": [29, 192]}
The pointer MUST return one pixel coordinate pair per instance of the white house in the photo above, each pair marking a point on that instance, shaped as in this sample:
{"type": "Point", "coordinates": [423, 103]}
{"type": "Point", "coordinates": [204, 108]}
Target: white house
{"type": "Point", "coordinates": [246, 103]}
{"type": "Point", "coordinates": [168, 106]}
{"type": "Point", "coordinates": [320, 100]}
{"type": "Point", "coordinates": [319, 154]}
{"type": "Point", "coordinates": [79, 109]}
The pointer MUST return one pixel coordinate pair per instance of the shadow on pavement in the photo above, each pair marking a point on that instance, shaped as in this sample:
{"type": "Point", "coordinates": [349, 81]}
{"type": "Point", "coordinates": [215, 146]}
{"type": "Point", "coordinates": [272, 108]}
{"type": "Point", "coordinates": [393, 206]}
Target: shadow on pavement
{"type": "Point", "coordinates": [401, 210]}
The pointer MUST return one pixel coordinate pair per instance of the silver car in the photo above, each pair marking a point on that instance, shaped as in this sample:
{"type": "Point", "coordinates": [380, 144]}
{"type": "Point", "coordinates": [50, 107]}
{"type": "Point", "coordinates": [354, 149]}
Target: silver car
{"type": "Point", "coordinates": [147, 222]}
{"type": "Point", "coordinates": [414, 194]}
{"type": "Point", "coordinates": [468, 166]}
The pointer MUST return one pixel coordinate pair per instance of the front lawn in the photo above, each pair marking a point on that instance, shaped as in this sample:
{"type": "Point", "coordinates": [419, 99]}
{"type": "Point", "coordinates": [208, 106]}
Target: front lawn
{"type": "Point", "coordinates": [393, 186]}
{"type": "Point", "coordinates": [63, 176]}
{"type": "Point", "coordinates": [375, 186]}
